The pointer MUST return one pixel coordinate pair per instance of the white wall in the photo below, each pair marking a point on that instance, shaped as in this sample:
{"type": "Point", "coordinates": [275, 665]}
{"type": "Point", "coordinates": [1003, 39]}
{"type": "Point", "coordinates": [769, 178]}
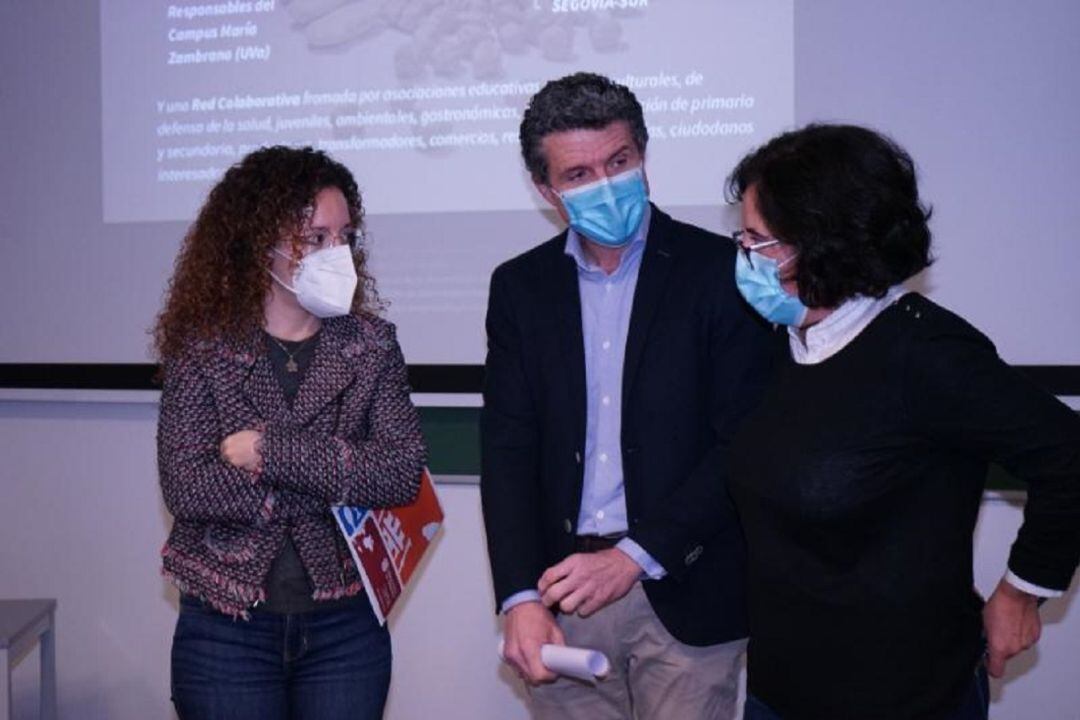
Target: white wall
{"type": "Point", "coordinates": [81, 520]}
{"type": "Point", "coordinates": [982, 93]}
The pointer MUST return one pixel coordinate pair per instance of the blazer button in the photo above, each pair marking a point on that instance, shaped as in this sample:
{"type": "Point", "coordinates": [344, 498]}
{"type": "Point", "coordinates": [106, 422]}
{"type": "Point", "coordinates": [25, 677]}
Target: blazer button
{"type": "Point", "coordinates": [568, 526]}
{"type": "Point", "coordinates": [577, 458]}
{"type": "Point", "coordinates": [694, 555]}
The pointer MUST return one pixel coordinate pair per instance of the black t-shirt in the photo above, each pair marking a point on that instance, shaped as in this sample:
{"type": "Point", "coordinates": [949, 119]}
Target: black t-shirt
{"type": "Point", "coordinates": [288, 588]}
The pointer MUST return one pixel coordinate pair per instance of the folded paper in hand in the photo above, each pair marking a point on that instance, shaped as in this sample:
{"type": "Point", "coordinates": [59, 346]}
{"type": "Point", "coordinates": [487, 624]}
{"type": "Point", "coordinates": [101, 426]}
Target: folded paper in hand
{"type": "Point", "coordinates": [580, 663]}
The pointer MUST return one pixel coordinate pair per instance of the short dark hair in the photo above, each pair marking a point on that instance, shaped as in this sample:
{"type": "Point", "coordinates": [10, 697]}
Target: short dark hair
{"type": "Point", "coordinates": [575, 102]}
{"type": "Point", "coordinates": [846, 198]}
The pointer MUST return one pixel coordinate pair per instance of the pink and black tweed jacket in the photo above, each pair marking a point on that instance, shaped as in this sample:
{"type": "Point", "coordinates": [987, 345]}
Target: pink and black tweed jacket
{"type": "Point", "coordinates": [351, 437]}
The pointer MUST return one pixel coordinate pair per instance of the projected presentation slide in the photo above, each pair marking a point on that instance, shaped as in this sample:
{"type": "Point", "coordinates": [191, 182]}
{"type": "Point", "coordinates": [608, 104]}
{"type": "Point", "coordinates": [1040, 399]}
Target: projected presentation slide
{"type": "Point", "coordinates": [422, 98]}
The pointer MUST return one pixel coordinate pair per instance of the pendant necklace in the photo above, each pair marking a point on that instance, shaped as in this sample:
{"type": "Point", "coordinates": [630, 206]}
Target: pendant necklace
{"type": "Point", "coordinates": [290, 364]}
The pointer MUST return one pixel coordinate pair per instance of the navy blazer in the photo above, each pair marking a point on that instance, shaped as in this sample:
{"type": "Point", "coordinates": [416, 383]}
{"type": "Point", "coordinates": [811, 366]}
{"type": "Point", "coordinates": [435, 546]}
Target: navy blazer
{"type": "Point", "coordinates": [696, 360]}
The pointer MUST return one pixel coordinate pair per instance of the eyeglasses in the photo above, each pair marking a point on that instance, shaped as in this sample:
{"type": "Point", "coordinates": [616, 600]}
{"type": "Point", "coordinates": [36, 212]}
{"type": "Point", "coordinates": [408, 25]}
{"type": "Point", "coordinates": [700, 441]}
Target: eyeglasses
{"type": "Point", "coordinates": [748, 241]}
{"type": "Point", "coordinates": [321, 238]}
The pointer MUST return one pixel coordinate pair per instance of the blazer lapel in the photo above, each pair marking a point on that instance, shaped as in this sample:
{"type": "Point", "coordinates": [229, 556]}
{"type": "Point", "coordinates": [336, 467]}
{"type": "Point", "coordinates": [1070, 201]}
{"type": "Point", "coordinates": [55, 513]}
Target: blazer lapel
{"type": "Point", "coordinates": [329, 374]}
{"type": "Point", "coordinates": [262, 390]}
{"type": "Point", "coordinates": [244, 370]}
{"type": "Point", "coordinates": [567, 305]}
{"type": "Point", "coordinates": [652, 278]}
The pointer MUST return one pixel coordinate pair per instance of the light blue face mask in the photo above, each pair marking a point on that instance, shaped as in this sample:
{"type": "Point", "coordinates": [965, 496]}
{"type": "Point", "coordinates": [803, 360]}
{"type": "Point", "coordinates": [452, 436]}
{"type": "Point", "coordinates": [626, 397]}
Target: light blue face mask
{"type": "Point", "coordinates": [760, 284]}
{"type": "Point", "coordinates": [610, 210]}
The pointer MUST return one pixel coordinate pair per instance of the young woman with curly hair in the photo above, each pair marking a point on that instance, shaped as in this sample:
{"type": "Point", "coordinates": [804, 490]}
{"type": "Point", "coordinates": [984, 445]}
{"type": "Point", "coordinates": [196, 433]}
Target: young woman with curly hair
{"type": "Point", "coordinates": [283, 394]}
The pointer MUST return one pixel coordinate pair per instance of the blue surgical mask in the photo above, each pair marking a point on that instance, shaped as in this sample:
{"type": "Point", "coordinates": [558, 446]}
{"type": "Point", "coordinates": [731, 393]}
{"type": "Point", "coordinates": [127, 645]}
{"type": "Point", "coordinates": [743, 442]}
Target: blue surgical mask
{"type": "Point", "coordinates": [608, 211]}
{"type": "Point", "coordinates": [760, 284]}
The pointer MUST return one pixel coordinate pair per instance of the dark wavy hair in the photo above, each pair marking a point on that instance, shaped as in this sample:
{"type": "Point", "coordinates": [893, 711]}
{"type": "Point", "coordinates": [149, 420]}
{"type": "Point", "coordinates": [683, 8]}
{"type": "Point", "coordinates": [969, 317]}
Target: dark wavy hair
{"type": "Point", "coordinates": [220, 278]}
{"type": "Point", "coordinates": [845, 197]}
{"type": "Point", "coordinates": [582, 101]}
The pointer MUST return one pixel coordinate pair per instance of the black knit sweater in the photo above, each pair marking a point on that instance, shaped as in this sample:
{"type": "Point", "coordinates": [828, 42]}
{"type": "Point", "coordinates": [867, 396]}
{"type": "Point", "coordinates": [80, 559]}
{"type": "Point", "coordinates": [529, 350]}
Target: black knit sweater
{"type": "Point", "coordinates": [858, 481]}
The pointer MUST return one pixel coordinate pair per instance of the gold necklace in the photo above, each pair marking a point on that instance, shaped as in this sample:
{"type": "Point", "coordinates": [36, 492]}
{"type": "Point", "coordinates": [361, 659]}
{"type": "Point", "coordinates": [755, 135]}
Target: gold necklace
{"type": "Point", "coordinates": [290, 364]}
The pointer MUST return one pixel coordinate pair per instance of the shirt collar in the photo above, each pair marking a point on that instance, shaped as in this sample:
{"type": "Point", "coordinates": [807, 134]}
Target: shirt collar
{"type": "Point", "coordinates": [840, 327]}
{"type": "Point", "coordinates": [574, 249]}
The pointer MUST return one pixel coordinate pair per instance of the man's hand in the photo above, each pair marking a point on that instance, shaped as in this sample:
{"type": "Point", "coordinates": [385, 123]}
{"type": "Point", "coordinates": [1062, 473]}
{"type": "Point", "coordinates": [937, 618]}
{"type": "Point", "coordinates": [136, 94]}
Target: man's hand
{"type": "Point", "coordinates": [241, 449]}
{"type": "Point", "coordinates": [585, 582]}
{"type": "Point", "coordinates": [527, 627]}
{"type": "Point", "coordinates": [1011, 621]}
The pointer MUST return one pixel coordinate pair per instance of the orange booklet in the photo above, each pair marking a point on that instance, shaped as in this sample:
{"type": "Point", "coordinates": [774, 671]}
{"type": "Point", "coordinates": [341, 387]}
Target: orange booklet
{"type": "Point", "coordinates": [387, 543]}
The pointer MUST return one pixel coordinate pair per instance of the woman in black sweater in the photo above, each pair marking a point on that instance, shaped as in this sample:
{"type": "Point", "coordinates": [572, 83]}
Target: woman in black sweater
{"type": "Point", "coordinates": [859, 477]}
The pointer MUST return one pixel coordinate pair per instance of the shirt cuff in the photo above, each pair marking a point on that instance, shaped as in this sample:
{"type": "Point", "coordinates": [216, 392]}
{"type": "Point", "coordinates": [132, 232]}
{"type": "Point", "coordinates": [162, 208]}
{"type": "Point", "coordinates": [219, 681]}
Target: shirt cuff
{"type": "Point", "coordinates": [652, 569]}
{"type": "Point", "coordinates": [517, 598]}
{"type": "Point", "coordinates": [1030, 588]}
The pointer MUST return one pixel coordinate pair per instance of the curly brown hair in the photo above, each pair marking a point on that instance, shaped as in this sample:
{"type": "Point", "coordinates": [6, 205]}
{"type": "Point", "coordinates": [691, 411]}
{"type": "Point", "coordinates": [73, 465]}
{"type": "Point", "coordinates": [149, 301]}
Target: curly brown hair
{"type": "Point", "coordinates": [220, 278]}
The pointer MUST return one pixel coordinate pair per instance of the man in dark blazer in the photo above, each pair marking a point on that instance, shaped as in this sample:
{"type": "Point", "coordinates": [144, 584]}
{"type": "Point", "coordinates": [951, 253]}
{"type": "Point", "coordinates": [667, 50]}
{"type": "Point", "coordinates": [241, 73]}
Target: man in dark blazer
{"type": "Point", "coordinates": [620, 358]}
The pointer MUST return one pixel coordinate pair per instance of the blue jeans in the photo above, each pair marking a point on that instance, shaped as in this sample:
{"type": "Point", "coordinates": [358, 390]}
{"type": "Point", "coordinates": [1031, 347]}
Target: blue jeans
{"type": "Point", "coordinates": [975, 706]}
{"type": "Point", "coordinates": [326, 664]}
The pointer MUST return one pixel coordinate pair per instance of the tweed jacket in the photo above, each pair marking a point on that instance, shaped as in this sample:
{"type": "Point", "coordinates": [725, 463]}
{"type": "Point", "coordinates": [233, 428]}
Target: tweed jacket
{"type": "Point", "coordinates": [352, 436]}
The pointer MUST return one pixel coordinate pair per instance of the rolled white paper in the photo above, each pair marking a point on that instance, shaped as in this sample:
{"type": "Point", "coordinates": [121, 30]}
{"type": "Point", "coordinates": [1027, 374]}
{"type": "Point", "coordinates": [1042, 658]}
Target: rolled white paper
{"type": "Point", "coordinates": [575, 662]}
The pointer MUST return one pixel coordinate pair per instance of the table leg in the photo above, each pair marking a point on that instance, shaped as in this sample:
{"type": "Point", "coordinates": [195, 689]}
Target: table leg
{"type": "Point", "coordinates": [5, 685]}
{"type": "Point", "coordinates": [47, 648]}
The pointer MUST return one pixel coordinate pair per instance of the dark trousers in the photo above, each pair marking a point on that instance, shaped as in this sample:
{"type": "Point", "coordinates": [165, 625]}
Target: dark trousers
{"type": "Point", "coordinates": [323, 665]}
{"type": "Point", "coordinates": [975, 705]}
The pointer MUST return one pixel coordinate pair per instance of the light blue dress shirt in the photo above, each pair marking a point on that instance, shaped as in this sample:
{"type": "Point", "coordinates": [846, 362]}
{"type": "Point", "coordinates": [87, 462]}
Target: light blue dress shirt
{"type": "Point", "coordinates": [606, 302]}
